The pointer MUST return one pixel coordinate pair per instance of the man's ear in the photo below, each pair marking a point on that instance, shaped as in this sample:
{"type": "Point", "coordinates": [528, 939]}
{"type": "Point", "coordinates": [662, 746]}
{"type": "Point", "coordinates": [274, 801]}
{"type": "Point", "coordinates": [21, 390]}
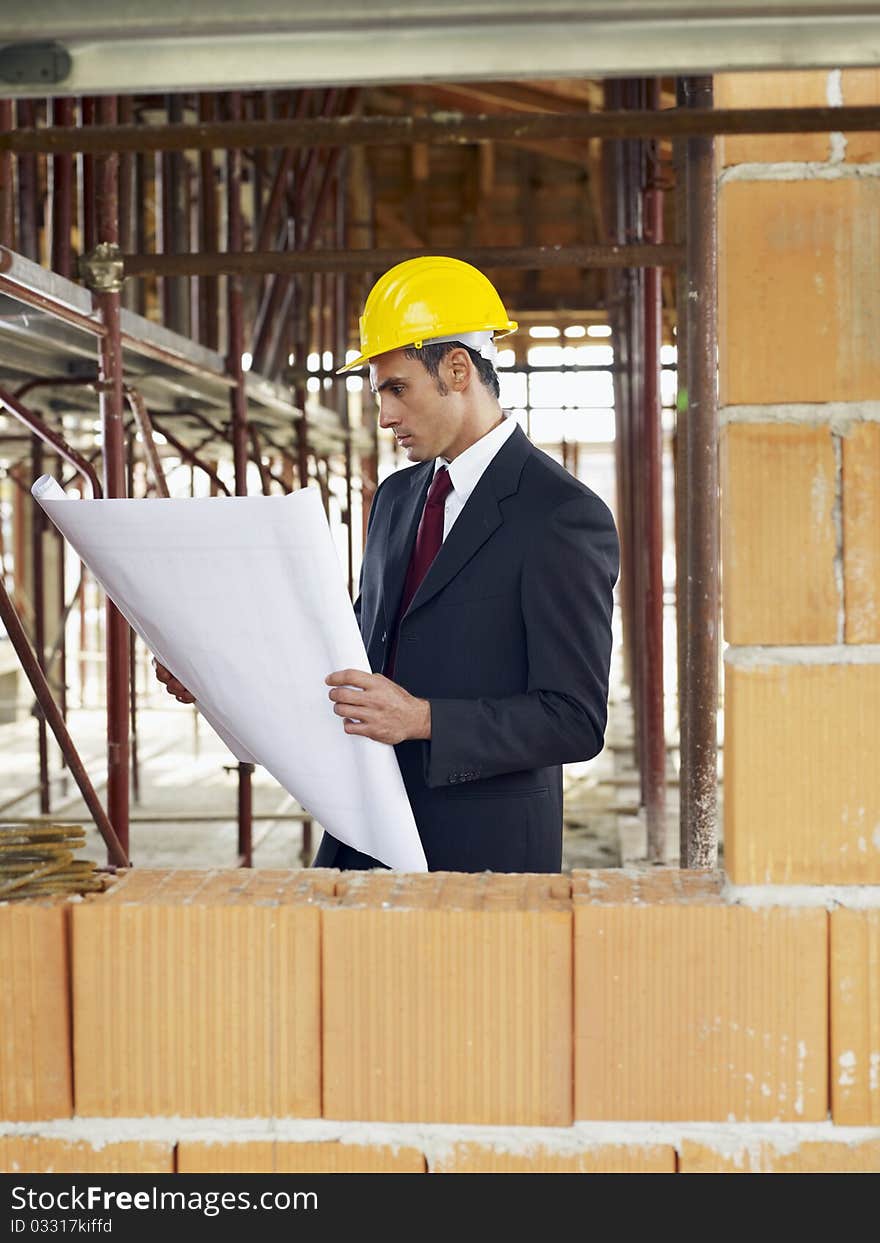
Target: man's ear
{"type": "Point", "coordinates": [460, 369]}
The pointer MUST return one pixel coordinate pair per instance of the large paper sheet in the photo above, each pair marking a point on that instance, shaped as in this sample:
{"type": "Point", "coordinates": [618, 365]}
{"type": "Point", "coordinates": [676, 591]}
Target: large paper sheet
{"type": "Point", "coordinates": [243, 599]}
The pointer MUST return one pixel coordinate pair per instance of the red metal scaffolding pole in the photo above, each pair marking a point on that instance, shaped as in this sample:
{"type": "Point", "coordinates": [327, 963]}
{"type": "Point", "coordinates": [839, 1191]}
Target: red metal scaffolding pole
{"type": "Point", "coordinates": [238, 408]}
{"type": "Point", "coordinates": [107, 302]}
{"type": "Point", "coordinates": [39, 600]}
{"type": "Point", "coordinates": [654, 758]}
{"type": "Point", "coordinates": [63, 114]}
{"type": "Point", "coordinates": [699, 758]}
{"type": "Point", "coordinates": [7, 180]}
{"type": "Point", "coordinates": [116, 853]}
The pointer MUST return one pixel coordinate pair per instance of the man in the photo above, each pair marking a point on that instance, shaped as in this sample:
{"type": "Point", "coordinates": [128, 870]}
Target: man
{"type": "Point", "coordinates": [486, 590]}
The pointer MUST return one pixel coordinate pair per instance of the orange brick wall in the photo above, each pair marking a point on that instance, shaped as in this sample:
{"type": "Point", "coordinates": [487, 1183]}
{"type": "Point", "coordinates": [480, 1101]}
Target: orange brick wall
{"type": "Point", "coordinates": [279, 1157]}
{"type": "Point", "coordinates": [198, 993]}
{"type": "Point", "coordinates": [448, 998]}
{"type": "Point", "coordinates": [39, 1154]}
{"type": "Point", "coordinates": [35, 1072]}
{"type": "Point", "coordinates": [855, 1017]}
{"type": "Point", "coordinates": [624, 1003]}
{"type": "Point", "coordinates": [689, 1008]}
{"type": "Point", "coordinates": [799, 384]}
{"type": "Point", "coordinates": [765, 1158]}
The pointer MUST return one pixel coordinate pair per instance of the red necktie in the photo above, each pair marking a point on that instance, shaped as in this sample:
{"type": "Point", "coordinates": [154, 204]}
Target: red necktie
{"type": "Point", "coordinates": [429, 537]}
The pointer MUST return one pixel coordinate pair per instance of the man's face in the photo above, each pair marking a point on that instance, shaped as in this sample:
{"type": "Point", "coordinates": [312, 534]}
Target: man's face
{"type": "Point", "coordinates": [426, 422]}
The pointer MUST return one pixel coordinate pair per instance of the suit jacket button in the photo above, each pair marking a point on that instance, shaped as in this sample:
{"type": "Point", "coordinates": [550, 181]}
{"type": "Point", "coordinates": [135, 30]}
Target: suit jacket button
{"type": "Point", "coordinates": [384, 635]}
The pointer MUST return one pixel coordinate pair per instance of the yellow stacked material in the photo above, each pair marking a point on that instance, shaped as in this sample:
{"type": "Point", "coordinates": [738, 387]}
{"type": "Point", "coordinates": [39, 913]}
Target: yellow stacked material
{"type": "Point", "coordinates": [447, 998]}
{"type": "Point", "coordinates": [475, 1158]}
{"type": "Point", "coordinates": [689, 1008]}
{"type": "Point", "coordinates": [282, 1157]}
{"type": "Point", "coordinates": [40, 1154]}
{"type": "Point", "coordinates": [35, 1071]}
{"type": "Point", "coordinates": [198, 994]}
{"type": "Point", "coordinates": [37, 861]}
{"type": "Point", "coordinates": [766, 1158]}
{"type": "Point", "coordinates": [855, 1017]}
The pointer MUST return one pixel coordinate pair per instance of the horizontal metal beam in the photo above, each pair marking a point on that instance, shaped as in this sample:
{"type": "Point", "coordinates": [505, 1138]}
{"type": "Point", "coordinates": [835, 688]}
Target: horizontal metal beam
{"type": "Point", "coordinates": [536, 258]}
{"type": "Point", "coordinates": [442, 128]}
{"type": "Point", "coordinates": [226, 45]}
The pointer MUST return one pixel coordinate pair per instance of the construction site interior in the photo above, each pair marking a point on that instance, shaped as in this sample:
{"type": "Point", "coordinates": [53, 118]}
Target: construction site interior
{"type": "Point", "coordinates": [692, 260]}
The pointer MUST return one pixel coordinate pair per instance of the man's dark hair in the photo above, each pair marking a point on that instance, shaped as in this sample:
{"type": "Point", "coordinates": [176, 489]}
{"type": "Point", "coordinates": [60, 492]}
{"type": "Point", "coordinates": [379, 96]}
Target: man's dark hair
{"type": "Point", "coordinates": [430, 356]}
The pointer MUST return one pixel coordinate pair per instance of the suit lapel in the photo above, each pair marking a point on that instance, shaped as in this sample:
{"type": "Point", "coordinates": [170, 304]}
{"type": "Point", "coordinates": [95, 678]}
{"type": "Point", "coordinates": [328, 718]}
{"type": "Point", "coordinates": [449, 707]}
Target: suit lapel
{"type": "Point", "coordinates": [406, 510]}
{"type": "Point", "coordinates": [479, 518]}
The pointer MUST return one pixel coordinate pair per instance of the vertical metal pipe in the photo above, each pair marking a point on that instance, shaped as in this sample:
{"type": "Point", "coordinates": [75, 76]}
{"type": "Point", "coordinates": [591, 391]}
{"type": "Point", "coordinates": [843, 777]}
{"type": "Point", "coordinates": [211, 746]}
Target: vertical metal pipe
{"type": "Point", "coordinates": [238, 399]}
{"type": "Point", "coordinates": [139, 304]}
{"type": "Point", "coordinates": [28, 235]}
{"type": "Point", "coordinates": [89, 198]}
{"type": "Point", "coordinates": [208, 231]}
{"type": "Point", "coordinates": [132, 661]}
{"type": "Point", "coordinates": [112, 416]}
{"type": "Point", "coordinates": [127, 209]}
{"type": "Point", "coordinates": [64, 114]}
{"type": "Point", "coordinates": [7, 179]}
{"type": "Point", "coordinates": [702, 472]}
{"type": "Point", "coordinates": [62, 645]}
{"type": "Point", "coordinates": [340, 344]}
{"type": "Point", "coordinates": [175, 226]}
{"type": "Point", "coordinates": [235, 297]}
{"type": "Point", "coordinates": [83, 635]}
{"type": "Point", "coordinates": [39, 598]}
{"type": "Point", "coordinates": [679, 464]}
{"type": "Point", "coordinates": [628, 196]}
{"type": "Point", "coordinates": [655, 741]}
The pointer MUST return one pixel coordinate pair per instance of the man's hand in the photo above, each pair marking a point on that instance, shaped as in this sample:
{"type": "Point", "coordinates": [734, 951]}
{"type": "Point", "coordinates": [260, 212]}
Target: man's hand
{"type": "Point", "coordinates": [378, 708]}
{"type": "Point", "coordinates": [171, 684]}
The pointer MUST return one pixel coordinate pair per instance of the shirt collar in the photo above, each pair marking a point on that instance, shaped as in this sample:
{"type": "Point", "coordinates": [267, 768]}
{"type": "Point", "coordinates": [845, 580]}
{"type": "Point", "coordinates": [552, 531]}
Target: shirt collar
{"type": "Point", "coordinates": [466, 470]}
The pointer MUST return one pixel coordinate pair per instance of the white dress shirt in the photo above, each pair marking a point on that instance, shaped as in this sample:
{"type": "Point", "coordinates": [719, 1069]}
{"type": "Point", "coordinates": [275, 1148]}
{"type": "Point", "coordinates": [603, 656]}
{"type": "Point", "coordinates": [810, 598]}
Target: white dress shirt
{"type": "Point", "coordinates": [466, 470]}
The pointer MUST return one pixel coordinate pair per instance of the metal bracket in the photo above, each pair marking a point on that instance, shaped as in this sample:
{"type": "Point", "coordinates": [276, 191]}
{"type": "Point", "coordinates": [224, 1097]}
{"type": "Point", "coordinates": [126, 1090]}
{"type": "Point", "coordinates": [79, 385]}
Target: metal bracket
{"type": "Point", "coordinates": [102, 270]}
{"type": "Point", "coordinates": [34, 64]}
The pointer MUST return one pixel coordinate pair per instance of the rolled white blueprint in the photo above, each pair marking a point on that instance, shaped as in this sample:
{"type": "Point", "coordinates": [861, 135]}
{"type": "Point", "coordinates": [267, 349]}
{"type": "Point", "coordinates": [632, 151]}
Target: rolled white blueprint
{"type": "Point", "coordinates": [243, 599]}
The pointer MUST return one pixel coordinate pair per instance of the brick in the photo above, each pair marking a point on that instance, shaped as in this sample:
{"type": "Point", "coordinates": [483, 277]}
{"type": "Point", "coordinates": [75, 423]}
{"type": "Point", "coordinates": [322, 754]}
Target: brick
{"type": "Point", "coordinates": [447, 998]}
{"type": "Point", "coordinates": [778, 535]}
{"type": "Point", "coordinates": [801, 781]}
{"type": "Point", "coordinates": [35, 1069]}
{"type": "Point", "coordinates": [40, 1154]}
{"type": "Point", "coordinates": [244, 1157]}
{"type": "Point", "coordinates": [687, 1007]}
{"type": "Point", "coordinates": [766, 1158]}
{"type": "Point", "coordinates": [198, 994]}
{"type": "Point", "coordinates": [779, 89]}
{"type": "Point", "coordinates": [472, 1158]}
{"type": "Point", "coordinates": [281, 1157]}
{"type": "Point", "coordinates": [798, 295]}
{"type": "Point", "coordinates": [861, 86]}
{"type": "Point", "coordinates": [855, 1017]}
{"type": "Point", "coordinates": [861, 532]}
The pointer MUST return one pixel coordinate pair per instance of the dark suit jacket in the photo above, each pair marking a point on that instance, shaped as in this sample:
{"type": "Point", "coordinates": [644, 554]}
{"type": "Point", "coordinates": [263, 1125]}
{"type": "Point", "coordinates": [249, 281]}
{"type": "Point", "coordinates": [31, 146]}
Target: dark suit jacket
{"type": "Point", "coordinates": [509, 637]}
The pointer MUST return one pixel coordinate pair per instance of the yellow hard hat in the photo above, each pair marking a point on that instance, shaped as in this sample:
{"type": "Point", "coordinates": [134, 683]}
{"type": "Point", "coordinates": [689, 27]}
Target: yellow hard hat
{"type": "Point", "coordinates": [423, 298]}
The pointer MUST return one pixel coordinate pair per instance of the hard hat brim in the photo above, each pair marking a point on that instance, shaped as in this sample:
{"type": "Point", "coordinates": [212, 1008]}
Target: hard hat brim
{"type": "Point", "coordinates": [363, 359]}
